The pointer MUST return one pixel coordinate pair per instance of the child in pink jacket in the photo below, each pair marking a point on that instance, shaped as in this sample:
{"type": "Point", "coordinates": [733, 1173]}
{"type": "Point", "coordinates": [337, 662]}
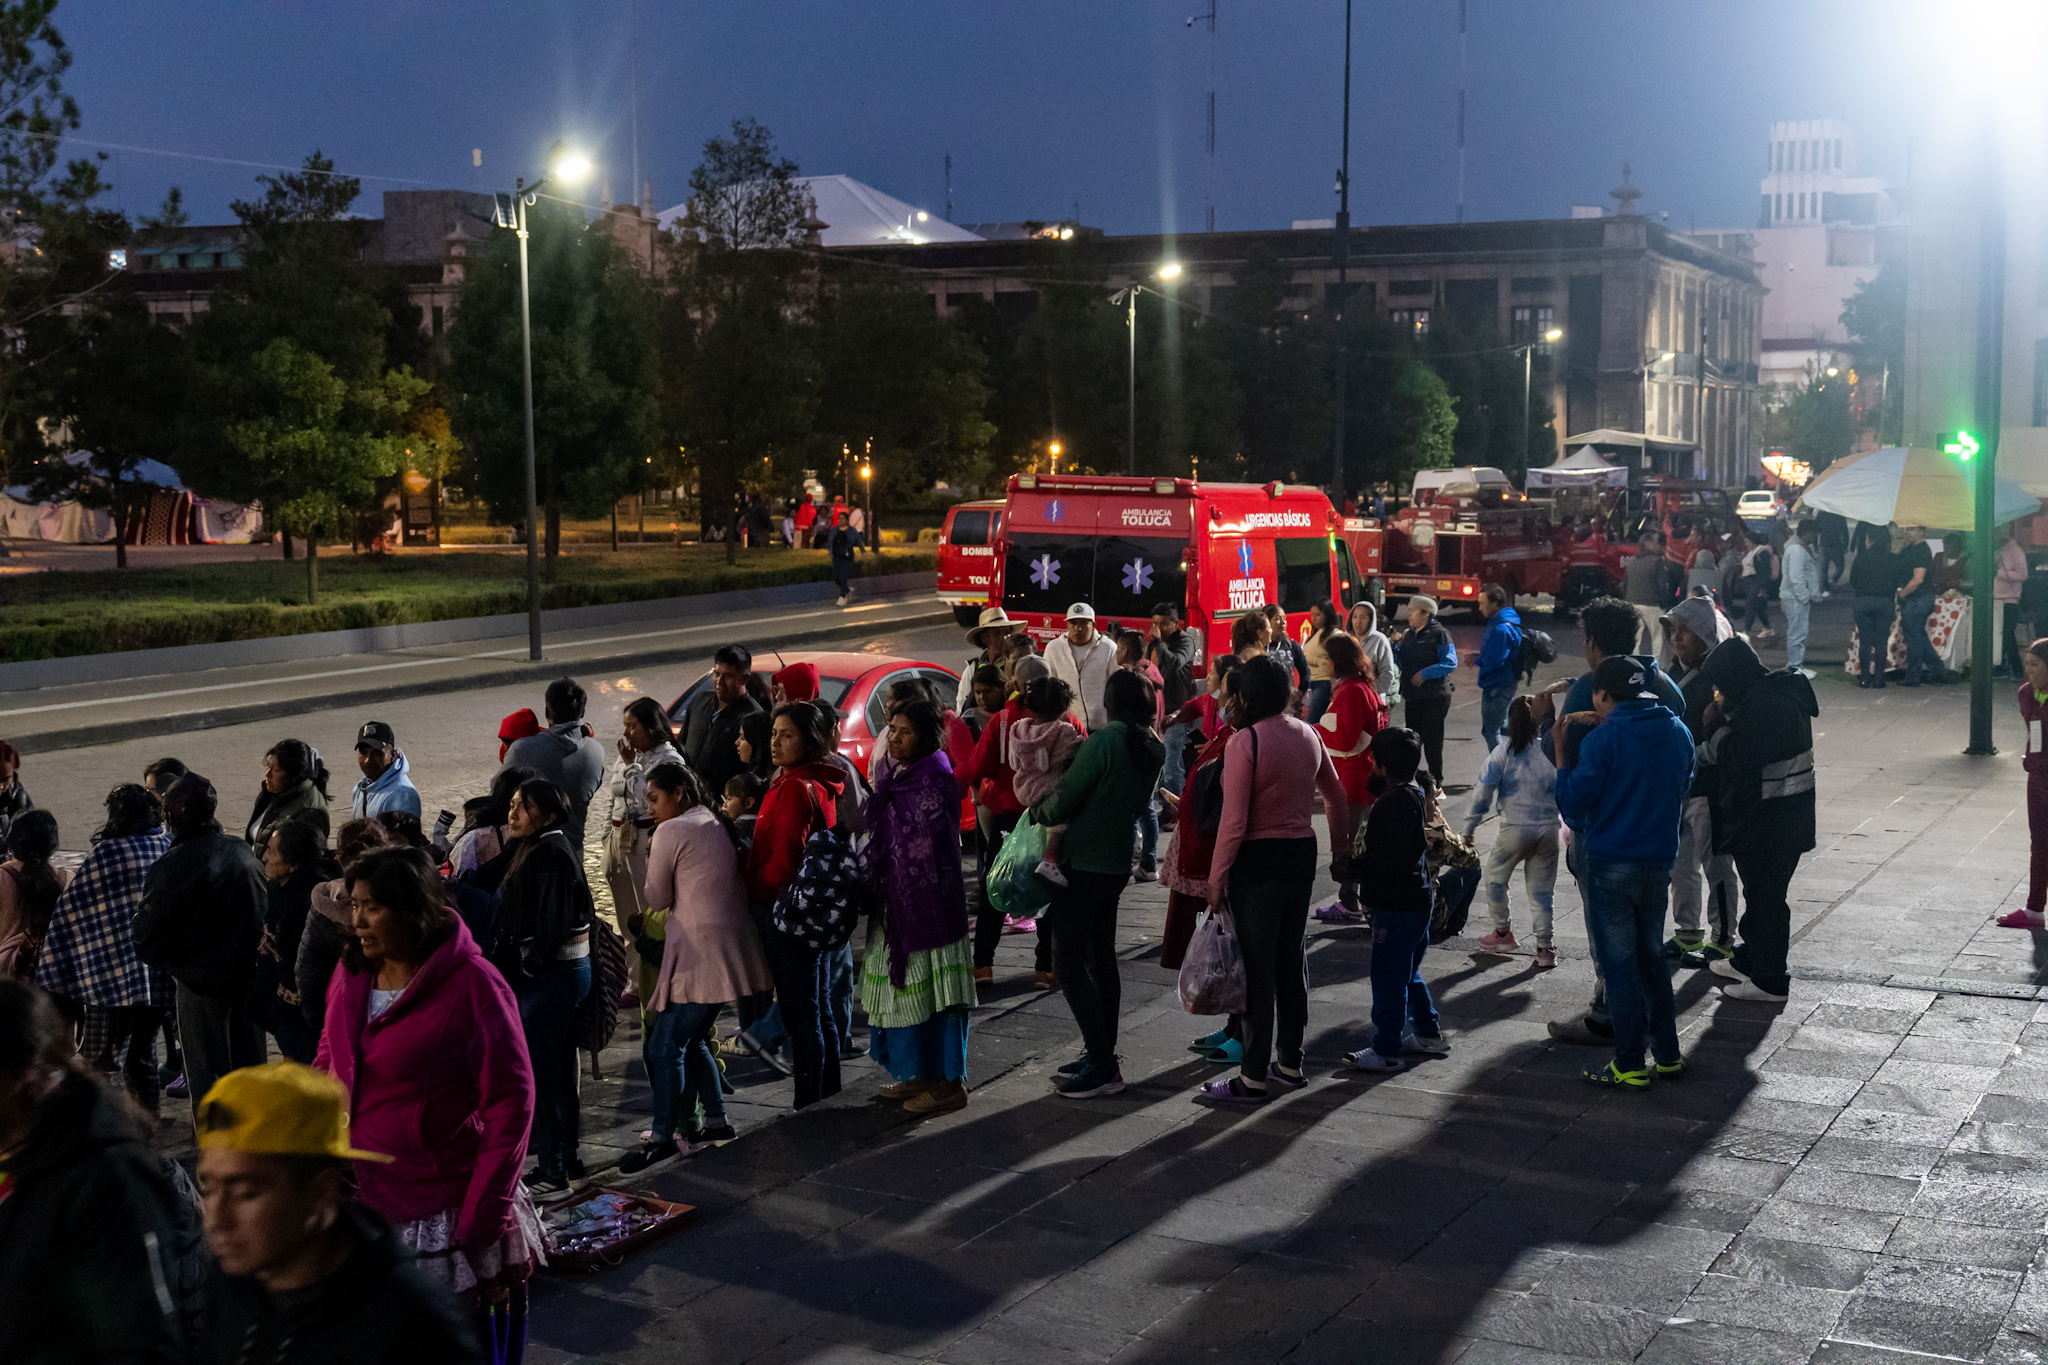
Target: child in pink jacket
{"type": "Point", "coordinates": [1042, 747]}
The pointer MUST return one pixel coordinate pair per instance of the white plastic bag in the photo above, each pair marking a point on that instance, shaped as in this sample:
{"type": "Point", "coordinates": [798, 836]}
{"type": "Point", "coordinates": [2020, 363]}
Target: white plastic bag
{"type": "Point", "coordinates": [1212, 973]}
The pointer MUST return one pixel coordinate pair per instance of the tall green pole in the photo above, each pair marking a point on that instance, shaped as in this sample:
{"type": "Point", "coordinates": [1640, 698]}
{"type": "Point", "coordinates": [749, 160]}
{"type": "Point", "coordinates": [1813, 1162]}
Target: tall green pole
{"type": "Point", "coordinates": [1984, 477]}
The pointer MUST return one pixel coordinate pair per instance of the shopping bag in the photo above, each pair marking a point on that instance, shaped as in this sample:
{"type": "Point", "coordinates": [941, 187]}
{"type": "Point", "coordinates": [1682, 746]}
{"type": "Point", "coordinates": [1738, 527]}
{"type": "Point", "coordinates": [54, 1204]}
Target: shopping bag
{"type": "Point", "coordinates": [1212, 974]}
{"type": "Point", "coordinates": [1014, 886]}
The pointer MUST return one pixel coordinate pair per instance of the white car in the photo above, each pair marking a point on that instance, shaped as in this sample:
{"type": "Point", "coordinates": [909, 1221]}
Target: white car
{"type": "Point", "coordinates": [1758, 504]}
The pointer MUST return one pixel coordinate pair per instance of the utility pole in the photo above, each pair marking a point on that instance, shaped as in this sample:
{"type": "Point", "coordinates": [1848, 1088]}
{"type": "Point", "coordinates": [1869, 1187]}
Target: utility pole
{"type": "Point", "coordinates": [1984, 477]}
{"type": "Point", "coordinates": [1131, 391]}
{"type": "Point", "coordinates": [949, 187]}
{"type": "Point", "coordinates": [1343, 267]}
{"type": "Point", "coordinates": [633, 73]}
{"type": "Point", "coordinates": [1461, 115]}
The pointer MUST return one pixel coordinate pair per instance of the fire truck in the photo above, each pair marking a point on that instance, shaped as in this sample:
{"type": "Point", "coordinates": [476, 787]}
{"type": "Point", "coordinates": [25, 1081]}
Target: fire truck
{"type": "Point", "coordinates": [967, 558]}
{"type": "Point", "coordinates": [1124, 545]}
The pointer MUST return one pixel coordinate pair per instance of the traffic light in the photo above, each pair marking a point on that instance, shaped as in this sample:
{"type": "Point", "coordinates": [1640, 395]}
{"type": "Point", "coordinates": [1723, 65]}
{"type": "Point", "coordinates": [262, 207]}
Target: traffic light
{"type": "Point", "coordinates": [1960, 444]}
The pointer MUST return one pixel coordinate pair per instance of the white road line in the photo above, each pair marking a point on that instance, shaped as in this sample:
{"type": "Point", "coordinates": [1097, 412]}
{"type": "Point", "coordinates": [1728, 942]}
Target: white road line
{"type": "Point", "coordinates": [410, 663]}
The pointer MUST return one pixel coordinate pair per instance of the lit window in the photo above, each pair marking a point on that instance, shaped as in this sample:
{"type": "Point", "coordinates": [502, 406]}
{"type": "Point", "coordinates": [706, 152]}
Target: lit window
{"type": "Point", "coordinates": [1415, 320]}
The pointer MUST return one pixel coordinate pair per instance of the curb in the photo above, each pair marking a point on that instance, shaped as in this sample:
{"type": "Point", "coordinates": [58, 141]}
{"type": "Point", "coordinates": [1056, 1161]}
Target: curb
{"type": "Point", "coordinates": [87, 737]}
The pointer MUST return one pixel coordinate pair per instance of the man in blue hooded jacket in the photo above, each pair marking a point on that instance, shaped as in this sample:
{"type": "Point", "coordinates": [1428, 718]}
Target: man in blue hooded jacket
{"type": "Point", "coordinates": [1500, 662]}
{"type": "Point", "coordinates": [1623, 794]}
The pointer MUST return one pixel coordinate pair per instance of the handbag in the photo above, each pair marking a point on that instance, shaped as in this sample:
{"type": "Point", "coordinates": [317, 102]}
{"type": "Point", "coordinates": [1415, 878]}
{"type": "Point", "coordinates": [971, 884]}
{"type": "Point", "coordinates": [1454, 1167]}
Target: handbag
{"type": "Point", "coordinates": [1205, 793]}
{"type": "Point", "coordinates": [1212, 973]}
{"type": "Point", "coordinates": [829, 894]}
{"type": "Point", "coordinates": [1014, 886]}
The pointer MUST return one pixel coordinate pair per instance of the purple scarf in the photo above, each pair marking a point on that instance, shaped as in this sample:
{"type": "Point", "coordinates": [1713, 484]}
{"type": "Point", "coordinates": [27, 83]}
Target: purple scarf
{"type": "Point", "coordinates": [914, 854]}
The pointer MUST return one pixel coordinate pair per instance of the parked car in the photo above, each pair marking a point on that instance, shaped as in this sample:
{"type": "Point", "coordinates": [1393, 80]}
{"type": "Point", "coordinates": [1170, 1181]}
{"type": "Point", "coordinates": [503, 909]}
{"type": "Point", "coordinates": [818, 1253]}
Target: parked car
{"type": "Point", "coordinates": [1758, 504]}
{"type": "Point", "coordinates": [858, 685]}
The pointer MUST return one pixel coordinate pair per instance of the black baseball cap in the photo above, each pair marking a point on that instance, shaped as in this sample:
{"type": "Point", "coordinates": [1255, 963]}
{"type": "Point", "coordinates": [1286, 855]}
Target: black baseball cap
{"type": "Point", "coordinates": [376, 732]}
{"type": "Point", "coordinates": [1623, 679]}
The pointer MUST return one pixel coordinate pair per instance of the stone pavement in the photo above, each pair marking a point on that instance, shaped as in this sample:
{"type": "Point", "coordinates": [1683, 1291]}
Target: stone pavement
{"type": "Point", "coordinates": [1853, 1177]}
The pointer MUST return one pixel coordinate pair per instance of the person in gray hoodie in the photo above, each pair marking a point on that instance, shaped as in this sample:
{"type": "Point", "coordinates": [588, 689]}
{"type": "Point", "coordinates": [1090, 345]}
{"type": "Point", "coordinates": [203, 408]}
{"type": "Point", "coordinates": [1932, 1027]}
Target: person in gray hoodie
{"type": "Point", "coordinates": [564, 753]}
{"type": "Point", "coordinates": [386, 784]}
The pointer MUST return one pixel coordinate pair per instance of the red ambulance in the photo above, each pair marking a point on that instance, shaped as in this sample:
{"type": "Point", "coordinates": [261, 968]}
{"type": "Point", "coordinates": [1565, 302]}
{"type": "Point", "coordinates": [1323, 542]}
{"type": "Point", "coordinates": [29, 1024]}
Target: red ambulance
{"type": "Point", "coordinates": [1123, 545]}
{"type": "Point", "coordinates": [967, 558]}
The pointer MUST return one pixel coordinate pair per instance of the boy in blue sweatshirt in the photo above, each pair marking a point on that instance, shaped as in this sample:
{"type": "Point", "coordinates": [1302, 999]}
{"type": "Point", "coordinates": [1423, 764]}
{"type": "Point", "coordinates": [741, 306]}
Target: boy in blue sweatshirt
{"type": "Point", "coordinates": [1392, 860]}
{"type": "Point", "coordinates": [1499, 662]}
{"type": "Point", "coordinates": [1623, 793]}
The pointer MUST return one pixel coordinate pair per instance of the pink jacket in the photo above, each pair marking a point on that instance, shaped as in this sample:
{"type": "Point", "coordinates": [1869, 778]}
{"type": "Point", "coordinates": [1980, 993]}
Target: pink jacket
{"type": "Point", "coordinates": [440, 1081]}
{"type": "Point", "coordinates": [711, 951]}
{"type": "Point", "coordinates": [1273, 796]}
{"type": "Point", "coordinates": [1040, 753]}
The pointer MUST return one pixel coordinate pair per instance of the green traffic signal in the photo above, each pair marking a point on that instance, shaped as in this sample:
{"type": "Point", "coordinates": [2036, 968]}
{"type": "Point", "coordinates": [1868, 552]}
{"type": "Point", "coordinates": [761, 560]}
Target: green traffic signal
{"type": "Point", "coordinates": [1960, 444]}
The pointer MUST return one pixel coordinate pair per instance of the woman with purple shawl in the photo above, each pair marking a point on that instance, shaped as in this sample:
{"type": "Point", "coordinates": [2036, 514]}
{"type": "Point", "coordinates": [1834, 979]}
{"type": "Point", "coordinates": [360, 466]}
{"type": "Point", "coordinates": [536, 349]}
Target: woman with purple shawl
{"type": "Point", "coordinates": [917, 980]}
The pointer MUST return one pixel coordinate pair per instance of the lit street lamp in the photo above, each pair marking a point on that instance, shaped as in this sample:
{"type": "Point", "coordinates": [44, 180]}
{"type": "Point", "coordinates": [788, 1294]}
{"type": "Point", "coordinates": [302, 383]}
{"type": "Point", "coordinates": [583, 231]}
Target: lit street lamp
{"type": "Point", "coordinates": [568, 169]}
{"type": "Point", "coordinates": [1054, 451]}
{"type": "Point", "coordinates": [1169, 271]}
{"type": "Point", "coordinates": [870, 533]}
{"type": "Point", "coordinates": [1529, 350]}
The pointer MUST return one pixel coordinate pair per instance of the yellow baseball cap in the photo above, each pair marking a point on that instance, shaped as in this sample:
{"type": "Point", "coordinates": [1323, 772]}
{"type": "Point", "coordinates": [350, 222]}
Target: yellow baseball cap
{"type": "Point", "coordinates": [281, 1109]}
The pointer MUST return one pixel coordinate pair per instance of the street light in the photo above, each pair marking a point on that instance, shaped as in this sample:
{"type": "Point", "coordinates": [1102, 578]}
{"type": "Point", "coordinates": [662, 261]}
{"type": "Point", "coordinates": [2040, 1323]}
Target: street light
{"type": "Point", "coordinates": [870, 532]}
{"type": "Point", "coordinates": [568, 169]}
{"type": "Point", "coordinates": [1054, 451]}
{"type": "Point", "coordinates": [1169, 271]}
{"type": "Point", "coordinates": [1528, 351]}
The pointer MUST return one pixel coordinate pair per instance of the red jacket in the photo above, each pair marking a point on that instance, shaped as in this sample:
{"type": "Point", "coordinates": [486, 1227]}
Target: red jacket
{"type": "Point", "coordinates": [1354, 716]}
{"type": "Point", "coordinates": [989, 767]}
{"type": "Point", "coordinates": [800, 802]}
{"type": "Point", "coordinates": [441, 1082]}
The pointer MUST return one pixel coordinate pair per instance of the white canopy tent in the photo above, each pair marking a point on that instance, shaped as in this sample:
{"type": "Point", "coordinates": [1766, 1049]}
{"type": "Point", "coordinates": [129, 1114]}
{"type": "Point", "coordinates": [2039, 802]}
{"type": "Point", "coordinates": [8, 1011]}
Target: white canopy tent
{"type": "Point", "coordinates": [1912, 486]}
{"type": "Point", "coordinates": [1583, 468]}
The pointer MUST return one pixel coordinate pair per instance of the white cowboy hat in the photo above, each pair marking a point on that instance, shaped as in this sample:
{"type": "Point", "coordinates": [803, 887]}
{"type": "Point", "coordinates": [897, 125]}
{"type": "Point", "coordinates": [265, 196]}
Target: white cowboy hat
{"type": "Point", "coordinates": [991, 617]}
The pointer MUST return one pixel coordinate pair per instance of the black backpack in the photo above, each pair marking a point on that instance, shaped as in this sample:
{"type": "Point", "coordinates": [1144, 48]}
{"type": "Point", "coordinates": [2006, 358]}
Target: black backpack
{"type": "Point", "coordinates": [1205, 793]}
{"type": "Point", "coordinates": [1536, 648]}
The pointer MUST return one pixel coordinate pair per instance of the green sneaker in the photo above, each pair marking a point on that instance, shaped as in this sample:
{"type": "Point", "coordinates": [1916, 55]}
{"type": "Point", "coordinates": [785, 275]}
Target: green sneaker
{"type": "Point", "coordinates": [1716, 952]}
{"type": "Point", "coordinates": [1671, 1071]}
{"type": "Point", "coordinates": [1614, 1078]}
{"type": "Point", "coordinates": [1682, 948]}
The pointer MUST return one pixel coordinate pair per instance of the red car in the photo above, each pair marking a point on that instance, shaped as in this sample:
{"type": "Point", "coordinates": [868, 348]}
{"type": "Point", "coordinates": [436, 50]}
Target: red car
{"type": "Point", "coordinates": [857, 684]}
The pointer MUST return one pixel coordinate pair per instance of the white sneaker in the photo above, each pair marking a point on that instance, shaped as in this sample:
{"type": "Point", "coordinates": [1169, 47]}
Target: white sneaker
{"type": "Point", "coordinates": [1806, 673]}
{"type": "Point", "coordinates": [1366, 1059]}
{"type": "Point", "coordinates": [1749, 990]}
{"type": "Point", "coordinates": [1721, 966]}
{"type": "Point", "coordinates": [1050, 870]}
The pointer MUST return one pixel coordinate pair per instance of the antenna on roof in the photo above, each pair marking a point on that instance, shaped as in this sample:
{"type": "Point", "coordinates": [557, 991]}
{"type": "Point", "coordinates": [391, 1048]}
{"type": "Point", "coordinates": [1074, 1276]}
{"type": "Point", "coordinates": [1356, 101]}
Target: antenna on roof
{"type": "Point", "coordinates": [1210, 17]}
{"type": "Point", "coordinates": [949, 187]}
{"type": "Point", "coordinates": [633, 71]}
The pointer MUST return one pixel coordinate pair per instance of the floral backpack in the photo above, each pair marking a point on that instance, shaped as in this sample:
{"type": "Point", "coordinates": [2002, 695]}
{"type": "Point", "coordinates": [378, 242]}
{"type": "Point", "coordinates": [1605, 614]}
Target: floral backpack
{"type": "Point", "coordinates": [829, 894]}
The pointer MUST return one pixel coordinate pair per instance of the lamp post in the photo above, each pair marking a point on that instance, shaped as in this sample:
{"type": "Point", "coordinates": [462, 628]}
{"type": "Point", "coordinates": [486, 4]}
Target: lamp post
{"type": "Point", "coordinates": [1528, 363]}
{"type": "Point", "coordinates": [1054, 451]}
{"type": "Point", "coordinates": [569, 169]}
{"type": "Point", "coordinates": [1169, 271]}
{"type": "Point", "coordinates": [871, 533]}
{"type": "Point", "coordinates": [1344, 264]}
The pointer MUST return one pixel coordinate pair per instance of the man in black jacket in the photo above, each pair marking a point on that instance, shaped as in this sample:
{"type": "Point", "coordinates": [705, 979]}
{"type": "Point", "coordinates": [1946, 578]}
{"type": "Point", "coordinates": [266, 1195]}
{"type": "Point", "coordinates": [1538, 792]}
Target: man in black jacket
{"type": "Point", "coordinates": [202, 921]}
{"type": "Point", "coordinates": [305, 1274]}
{"type": "Point", "coordinates": [710, 729]}
{"type": "Point", "coordinates": [1758, 763]}
{"type": "Point", "coordinates": [1702, 928]}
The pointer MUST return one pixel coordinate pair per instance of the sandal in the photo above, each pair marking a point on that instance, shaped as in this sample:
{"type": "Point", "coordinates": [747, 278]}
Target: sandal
{"type": "Point", "coordinates": [1233, 1092]}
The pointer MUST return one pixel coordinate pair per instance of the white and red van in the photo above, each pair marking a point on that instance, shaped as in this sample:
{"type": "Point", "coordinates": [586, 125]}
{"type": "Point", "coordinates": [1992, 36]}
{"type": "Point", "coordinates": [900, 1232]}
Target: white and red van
{"type": "Point", "coordinates": [1123, 545]}
{"type": "Point", "coordinates": [967, 558]}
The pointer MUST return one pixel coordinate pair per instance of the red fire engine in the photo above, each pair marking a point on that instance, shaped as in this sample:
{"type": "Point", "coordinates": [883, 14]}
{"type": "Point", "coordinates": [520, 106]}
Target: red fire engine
{"type": "Point", "coordinates": [967, 558]}
{"type": "Point", "coordinates": [1123, 545]}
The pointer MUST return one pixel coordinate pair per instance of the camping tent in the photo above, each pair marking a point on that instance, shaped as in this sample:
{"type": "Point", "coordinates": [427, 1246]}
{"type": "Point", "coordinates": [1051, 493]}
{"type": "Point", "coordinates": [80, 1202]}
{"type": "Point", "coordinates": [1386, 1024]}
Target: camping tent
{"type": "Point", "coordinates": [1581, 469]}
{"type": "Point", "coordinates": [168, 516]}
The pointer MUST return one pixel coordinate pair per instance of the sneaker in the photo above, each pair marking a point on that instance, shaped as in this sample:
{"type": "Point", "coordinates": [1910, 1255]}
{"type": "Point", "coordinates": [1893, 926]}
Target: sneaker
{"type": "Point", "coordinates": [1749, 990]}
{"type": "Point", "coordinates": [1148, 869]}
{"type": "Point", "coordinates": [1050, 870]}
{"type": "Point", "coordinates": [1075, 1067]}
{"type": "Point", "coordinates": [1806, 673]}
{"type": "Point", "coordinates": [1230, 1052]}
{"type": "Point", "coordinates": [704, 1139]}
{"type": "Point", "coordinates": [1725, 967]}
{"type": "Point", "coordinates": [1335, 913]}
{"type": "Point", "coordinates": [176, 1088]}
{"type": "Point", "coordinates": [1092, 1081]}
{"type": "Point", "coordinates": [632, 1163]}
{"type": "Point", "coordinates": [1368, 1059]}
{"type": "Point", "coordinates": [1044, 981]}
{"type": "Point", "coordinates": [1679, 948]}
{"type": "Point", "coordinates": [948, 1097]}
{"type": "Point", "coordinates": [1026, 925]}
{"type": "Point", "coordinates": [573, 1170]}
{"type": "Point", "coordinates": [1671, 1071]}
{"type": "Point", "coordinates": [538, 1183]}
{"type": "Point", "coordinates": [1614, 1078]}
{"type": "Point", "coordinates": [2014, 919]}
{"type": "Point", "coordinates": [1428, 1044]}
{"type": "Point", "coordinates": [1582, 1030]}
{"type": "Point", "coordinates": [1546, 956]}
{"type": "Point", "coordinates": [1209, 1040]}
{"type": "Point", "coordinates": [904, 1090]}
{"type": "Point", "coordinates": [1230, 1093]}
{"type": "Point", "coordinates": [842, 601]}
{"type": "Point", "coordinates": [1716, 952]}
{"type": "Point", "coordinates": [1499, 941]}
{"type": "Point", "coordinates": [1285, 1080]}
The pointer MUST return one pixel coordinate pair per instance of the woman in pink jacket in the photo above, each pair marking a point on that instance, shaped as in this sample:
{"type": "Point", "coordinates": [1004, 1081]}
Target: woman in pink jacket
{"type": "Point", "coordinates": [711, 954]}
{"type": "Point", "coordinates": [424, 1035]}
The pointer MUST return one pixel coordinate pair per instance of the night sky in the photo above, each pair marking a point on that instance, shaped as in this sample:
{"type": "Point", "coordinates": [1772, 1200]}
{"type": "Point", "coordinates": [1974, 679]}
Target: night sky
{"type": "Point", "coordinates": [1042, 104]}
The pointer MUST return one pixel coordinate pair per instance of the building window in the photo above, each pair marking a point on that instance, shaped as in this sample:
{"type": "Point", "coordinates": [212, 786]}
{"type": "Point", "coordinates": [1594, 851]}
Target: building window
{"type": "Point", "coordinates": [1521, 325]}
{"type": "Point", "coordinates": [1838, 154]}
{"type": "Point", "coordinates": [440, 318]}
{"type": "Point", "coordinates": [1777, 156]}
{"type": "Point", "coordinates": [1413, 320]}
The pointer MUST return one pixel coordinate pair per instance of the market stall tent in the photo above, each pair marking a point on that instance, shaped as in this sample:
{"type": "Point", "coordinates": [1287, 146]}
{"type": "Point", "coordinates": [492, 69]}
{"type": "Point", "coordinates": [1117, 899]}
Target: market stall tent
{"type": "Point", "coordinates": [1581, 469]}
{"type": "Point", "coordinates": [1912, 486]}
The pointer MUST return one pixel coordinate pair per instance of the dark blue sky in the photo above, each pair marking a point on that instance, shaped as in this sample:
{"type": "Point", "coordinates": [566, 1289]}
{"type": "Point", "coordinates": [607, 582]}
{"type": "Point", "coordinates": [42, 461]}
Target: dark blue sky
{"type": "Point", "coordinates": [1041, 104]}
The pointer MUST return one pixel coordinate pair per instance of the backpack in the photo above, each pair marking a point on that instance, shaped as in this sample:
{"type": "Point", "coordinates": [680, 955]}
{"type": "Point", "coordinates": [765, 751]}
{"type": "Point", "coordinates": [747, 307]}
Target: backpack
{"type": "Point", "coordinates": [1536, 647]}
{"type": "Point", "coordinates": [829, 894]}
{"type": "Point", "coordinates": [1205, 793]}
{"type": "Point", "coordinates": [597, 1018]}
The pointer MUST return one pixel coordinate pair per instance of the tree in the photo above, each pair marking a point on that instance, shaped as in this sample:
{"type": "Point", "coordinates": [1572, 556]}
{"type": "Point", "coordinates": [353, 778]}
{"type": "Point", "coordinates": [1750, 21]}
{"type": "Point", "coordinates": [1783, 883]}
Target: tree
{"type": "Point", "coordinates": [742, 197]}
{"type": "Point", "coordinates": [594, 371]}
{"type": "Point", "coordinates": [1818, 426]}
{"type": "Point", "coordinates": [299, 428]}
{"type": "Point", "coordinates": [1875, 319]}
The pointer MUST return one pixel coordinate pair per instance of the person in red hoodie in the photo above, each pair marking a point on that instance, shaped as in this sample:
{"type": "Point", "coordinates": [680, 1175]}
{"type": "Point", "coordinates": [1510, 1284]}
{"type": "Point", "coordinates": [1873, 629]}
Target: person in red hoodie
{"type": "Point", "coordinates": [801, 801]}
{"type": "Point", "coordinates": [1356, 713]}
{"type": "Point", "coordinates": [2033, 715]}
{"type": "Point", "coordinates": [424, 1036]}
{"type": "Point", "coordinates": [797, 682]}
{"type": "Point", "coordinates": [995, 795]}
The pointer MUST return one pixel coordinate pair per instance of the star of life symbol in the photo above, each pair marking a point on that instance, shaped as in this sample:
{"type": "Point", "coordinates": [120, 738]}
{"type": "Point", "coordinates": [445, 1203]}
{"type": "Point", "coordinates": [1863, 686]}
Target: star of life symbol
{"type": "Point", "coordinates": [1055, 510]}
{"type": "Point", "coordinates": [1244, 558]}
{"type": "Point", "coordinates": [1137, 576]}
{"type": "Point", "coordinates": [1045, 571]}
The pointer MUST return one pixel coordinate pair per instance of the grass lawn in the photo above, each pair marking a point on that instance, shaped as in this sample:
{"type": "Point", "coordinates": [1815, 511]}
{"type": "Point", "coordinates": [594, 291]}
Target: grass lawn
{"type": "Point", "coordinates": [52, 615]}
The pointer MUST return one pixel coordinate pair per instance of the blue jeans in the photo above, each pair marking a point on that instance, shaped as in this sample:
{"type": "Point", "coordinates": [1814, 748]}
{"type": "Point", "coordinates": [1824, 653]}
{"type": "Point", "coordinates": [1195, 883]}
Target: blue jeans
{"type": "Point", "coordinates": [1757, 607]}
{"type": "Point", "coordinates": [800, 990]}
{"type": "Point", "coordinates": [1318, 701]}
{"type": "Point", "coordinates": [839, 995]}
{"type": "Point", "coordinates": [1493, 713]}
{"type": "Point", "coordinates": [1873, 637]}
{"type": "Point", "coordinates": [1798, 614]}
{"type": "Point", "coordinates": [680, 1066]}
{"type": "Point", "coordinates": [1148, 829]}
{"type": "Point", "coordinates": [547, 1011]}
{"type": "Point", "coordinates": [1920, 655]}
{"type": "Point", "coordinates": [1625, 903]}
{"type": "Point", "coordinates": [1174, 775]}
{"type": "Point", "coordinates": [1399, 994]}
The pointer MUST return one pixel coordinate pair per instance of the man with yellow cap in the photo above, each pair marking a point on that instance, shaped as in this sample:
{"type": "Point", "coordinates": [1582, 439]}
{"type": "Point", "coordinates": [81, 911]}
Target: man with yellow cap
{"type": "Point", "coordinates": [305, 1274]}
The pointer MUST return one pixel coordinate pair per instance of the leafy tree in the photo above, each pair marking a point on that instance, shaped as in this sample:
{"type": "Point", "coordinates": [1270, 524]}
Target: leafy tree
{"type": "Point", "coordinates": [742, 196]}
{"type": "Point", "coordinates": [1281, 363]}
{"type": "Point", "coordinates": [594, 371]}
{"type": "Point", "coordinates": [171, 214]}
{"type": "Point", "coordinates": [1875, 319]}
{"type": "Point", "coordinates": [1817, 423]}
